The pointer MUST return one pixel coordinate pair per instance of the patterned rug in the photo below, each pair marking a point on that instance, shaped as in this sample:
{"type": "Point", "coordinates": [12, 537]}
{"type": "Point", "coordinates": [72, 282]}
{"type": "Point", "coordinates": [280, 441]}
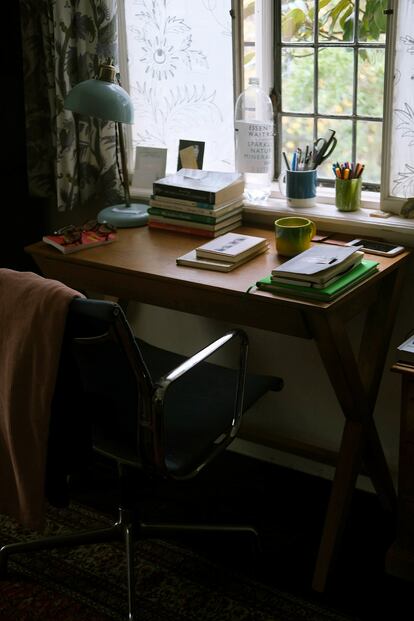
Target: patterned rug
{"type": "Point", "coordinates": [87, 583]}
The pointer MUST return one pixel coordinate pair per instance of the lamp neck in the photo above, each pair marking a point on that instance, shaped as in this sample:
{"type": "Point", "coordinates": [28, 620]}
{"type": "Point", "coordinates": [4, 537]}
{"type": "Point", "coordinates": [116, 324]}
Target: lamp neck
{"type": "Point", "coordinates": [107, 73]}
{"type": "Point", "coordinates": [124, 164]}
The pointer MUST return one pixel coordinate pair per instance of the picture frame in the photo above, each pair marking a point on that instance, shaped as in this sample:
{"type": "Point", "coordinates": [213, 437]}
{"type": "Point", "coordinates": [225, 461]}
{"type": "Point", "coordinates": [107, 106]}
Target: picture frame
{"type": "Point", "coordinates": [150, 165]}
{"type": "Point", "coordinates": [190, 154]}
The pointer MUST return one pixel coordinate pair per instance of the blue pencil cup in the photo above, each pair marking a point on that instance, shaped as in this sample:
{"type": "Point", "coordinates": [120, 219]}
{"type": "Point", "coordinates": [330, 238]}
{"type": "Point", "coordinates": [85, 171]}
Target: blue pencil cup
{"type": "Point", "coordinates": [300, 188]}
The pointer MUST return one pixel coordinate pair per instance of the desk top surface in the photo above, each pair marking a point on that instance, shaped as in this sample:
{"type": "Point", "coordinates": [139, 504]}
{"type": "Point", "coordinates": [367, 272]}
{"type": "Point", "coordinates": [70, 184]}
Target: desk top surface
{"type": "Point", "coordinates": [154, 252]}
{"type": "Point", "coordinates": [141, 265]}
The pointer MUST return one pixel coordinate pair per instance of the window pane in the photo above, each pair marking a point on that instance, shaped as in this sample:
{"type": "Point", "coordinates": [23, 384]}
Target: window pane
{"type": "Point", "coordinates": [336, 20]}
{"type": "Point", "coordinates": [181, 77]}
{"type": "Point", "coordinates": [297, 20]}
{"type": "Point", "coordinates": [296, 132]}
{"type": "Point", "coordinates": [343, 150]}
{"type": "Point", "coordinates": [370, 81]}
{"type": "Point", "coordinates": [297, 80]}
{"type": "Point", "coordinates": [335, 84]}
{"type": "Point", "coordinates": [372, 22]}
{"type": "Point", "coordinates": [249, 36]}
{"type": "Point", "coordinates": [369, 135]}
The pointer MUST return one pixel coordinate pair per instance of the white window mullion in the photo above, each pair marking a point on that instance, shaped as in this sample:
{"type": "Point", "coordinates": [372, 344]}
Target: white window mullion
{"type": "Point", "coordinates": [264, 43]}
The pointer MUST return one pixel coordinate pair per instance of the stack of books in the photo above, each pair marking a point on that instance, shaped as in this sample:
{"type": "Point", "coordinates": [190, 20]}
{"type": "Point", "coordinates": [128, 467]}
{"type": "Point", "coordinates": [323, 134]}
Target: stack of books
{"type": "Point", "coordinates": [225, 253]}
{"type": "Point", "coordinates": [198, 202]}
{"type": "Point", "coordinates": [322, 272]}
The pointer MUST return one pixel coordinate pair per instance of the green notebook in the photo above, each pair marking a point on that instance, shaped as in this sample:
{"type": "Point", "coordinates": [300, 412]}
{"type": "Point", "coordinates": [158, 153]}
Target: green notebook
{"type": "Point", "coordinates": [347, 281]}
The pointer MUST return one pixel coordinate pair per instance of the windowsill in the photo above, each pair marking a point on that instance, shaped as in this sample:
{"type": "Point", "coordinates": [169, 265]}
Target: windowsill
{"type": "Point", "coordinates": [327, 217]}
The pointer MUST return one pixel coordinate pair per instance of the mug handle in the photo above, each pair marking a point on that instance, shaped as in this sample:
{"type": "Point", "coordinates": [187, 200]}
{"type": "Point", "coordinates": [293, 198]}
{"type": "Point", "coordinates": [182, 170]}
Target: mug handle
{"type": "Point", "coordinates": [313, 231]}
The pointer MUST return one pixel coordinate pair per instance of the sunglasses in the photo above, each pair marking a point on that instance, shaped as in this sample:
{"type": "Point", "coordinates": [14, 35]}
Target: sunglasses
{"type": "Point", "coordinates": [73, 234]}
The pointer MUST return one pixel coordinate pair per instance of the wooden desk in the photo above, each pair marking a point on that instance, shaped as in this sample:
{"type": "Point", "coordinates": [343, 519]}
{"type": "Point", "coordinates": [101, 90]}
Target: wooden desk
{"type": "Point", "coordinates": [141, 266]}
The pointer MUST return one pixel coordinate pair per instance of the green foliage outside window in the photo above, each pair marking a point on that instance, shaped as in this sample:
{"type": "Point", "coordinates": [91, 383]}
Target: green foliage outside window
{"type": "Point", "coordinates": [335, 21]}
{"type": "Point", "coordinates": [336, 24]}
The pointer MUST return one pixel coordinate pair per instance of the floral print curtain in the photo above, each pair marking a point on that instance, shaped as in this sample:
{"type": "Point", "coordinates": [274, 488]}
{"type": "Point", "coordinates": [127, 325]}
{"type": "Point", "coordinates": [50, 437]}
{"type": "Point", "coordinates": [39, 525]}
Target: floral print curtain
{"type": "Point", "coordinates": [402, 160]}
{"type": "Point", "coordinates": [71, 160]}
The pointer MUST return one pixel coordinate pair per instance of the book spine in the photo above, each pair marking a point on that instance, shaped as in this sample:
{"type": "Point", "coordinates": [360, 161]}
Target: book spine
{"type": "Point", "coordinates": [182, 215]}
{"type": "Point", "coordinates": [162, 201]}
{"type": "Point", "coordinates": [181, 229]}
{"type": "Point", "coordinates": [309, 293]}
{"type": "Point", "coordinates": [191, 194]}
{"type": "Point", "coordinates": [291, 281]}
{"type": "Point", "coordinates": [192, 223]}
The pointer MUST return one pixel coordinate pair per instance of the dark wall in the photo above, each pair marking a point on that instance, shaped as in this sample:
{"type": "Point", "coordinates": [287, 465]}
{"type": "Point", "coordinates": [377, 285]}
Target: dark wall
{"type": "Point", "coordinates": [20, 215]}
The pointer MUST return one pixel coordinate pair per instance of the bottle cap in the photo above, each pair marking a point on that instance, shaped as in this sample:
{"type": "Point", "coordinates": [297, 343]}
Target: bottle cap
{"type": "Point", "coordinates": [254, 80]}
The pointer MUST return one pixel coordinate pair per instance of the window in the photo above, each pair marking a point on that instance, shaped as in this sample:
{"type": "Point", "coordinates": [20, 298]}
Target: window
{"type": "Point", "coordinates": [332, 72]}
{"type": "Point", "coordinates": [181, 76]}
{"type": "Point", "coordinates": [332, 76]}
{"type": "Point", "coordinates": [335, 72]}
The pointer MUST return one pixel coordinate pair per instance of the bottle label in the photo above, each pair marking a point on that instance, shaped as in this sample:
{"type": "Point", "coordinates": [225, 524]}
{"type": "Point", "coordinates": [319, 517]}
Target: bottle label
{"type": "Point", "coordinates": [254, 146]}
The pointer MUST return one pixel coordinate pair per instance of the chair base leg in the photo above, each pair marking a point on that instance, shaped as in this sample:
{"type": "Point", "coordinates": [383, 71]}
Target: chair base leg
{"type": "Point", "coordinates": [125, 530]}
{"type": "Point", "coordinates": [168, 529]}
{"type": "Point", "coordinates": [162, 529]}
{"type": "Point", "coordinates": [58, 541]}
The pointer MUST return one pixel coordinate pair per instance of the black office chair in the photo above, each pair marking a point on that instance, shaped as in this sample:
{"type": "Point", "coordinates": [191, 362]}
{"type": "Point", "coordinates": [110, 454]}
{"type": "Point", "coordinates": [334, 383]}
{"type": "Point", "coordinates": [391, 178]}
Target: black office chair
{"type": "Point", "coordinates": [150, 409]}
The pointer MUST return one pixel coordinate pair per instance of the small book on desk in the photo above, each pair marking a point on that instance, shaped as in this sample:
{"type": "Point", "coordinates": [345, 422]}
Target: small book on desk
{"type": "Point", "coordinates": [190, 259]}
{"type": "Point", "coordinates": [232, 247]}
{"type": "Point", "coordinates": [89, 239]}
{"type": "Point", "coordinates": [352, 277]}
{"type": "Point", "coordinates": [211, 187]}
{"type": "Point", "coordinates": [319, 264]}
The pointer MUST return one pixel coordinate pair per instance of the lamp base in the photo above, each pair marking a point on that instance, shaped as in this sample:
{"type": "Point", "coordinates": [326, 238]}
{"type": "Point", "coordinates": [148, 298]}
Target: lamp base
{"type": "Point", "coordinates": [125, 216]}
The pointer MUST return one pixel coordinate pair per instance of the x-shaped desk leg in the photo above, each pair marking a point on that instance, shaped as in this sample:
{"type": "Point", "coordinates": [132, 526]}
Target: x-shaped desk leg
{"type": "Point", "coordinates": [356, 385]}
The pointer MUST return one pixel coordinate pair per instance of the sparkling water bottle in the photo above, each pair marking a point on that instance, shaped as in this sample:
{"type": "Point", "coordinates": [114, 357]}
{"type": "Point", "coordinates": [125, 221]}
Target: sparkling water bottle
{"type": "Point", "coordinates": [254, 140]}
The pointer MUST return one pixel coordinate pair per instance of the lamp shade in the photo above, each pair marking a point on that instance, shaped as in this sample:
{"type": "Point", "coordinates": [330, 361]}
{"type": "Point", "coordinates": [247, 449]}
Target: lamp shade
{"type": "Point", "coordinates": [104, 100]}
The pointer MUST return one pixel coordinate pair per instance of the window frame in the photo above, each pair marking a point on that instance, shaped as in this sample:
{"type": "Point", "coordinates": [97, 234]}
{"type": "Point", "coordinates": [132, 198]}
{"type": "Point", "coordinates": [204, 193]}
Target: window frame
{"type": "Point", "coordinates": [317, 46]}
{"type": "Point", "coordinates": [374, 196]}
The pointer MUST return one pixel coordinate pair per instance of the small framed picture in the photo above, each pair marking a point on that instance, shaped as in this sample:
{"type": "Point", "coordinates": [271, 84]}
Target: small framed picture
{"type": "Point", "coordinates": [150, 164]}
{"type": "Point", "coordinates": [190, 154]}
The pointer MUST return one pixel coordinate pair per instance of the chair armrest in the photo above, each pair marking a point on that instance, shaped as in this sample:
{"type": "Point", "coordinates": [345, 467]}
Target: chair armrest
{"type": "Point", "coordinates": [164, 382]}
{"type": "Point", "coordinates": [203, 354]}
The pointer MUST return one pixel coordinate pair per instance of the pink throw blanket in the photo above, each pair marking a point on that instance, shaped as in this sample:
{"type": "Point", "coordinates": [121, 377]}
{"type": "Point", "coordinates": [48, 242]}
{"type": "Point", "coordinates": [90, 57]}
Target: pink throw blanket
{"type": "Point", "coordinates": [33, 311]}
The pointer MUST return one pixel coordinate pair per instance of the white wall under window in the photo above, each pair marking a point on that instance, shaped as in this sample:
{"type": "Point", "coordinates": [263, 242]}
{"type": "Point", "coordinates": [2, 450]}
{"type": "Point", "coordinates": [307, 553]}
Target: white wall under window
{"type": "Point", "coordinates": [181, 76]}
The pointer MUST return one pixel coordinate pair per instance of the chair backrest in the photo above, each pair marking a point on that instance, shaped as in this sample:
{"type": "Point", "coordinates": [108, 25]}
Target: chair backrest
{"type": "Point", "coordinates": [117, 384]}
{"type": "Point", "coordinates": [173, 423]}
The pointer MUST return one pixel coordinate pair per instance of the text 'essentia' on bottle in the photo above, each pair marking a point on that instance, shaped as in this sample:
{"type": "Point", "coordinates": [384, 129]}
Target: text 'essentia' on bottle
{"type": "Point", "coordinates": [254, 140]}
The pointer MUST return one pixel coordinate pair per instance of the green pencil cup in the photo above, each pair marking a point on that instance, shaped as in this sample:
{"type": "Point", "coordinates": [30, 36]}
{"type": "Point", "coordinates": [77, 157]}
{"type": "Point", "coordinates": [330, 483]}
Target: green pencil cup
{"type": "Point", "coordinates": [348, 194]}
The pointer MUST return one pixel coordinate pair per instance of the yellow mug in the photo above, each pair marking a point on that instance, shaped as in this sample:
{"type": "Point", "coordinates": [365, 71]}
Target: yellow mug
{"type": "Point", "coordinates": [293, 235]}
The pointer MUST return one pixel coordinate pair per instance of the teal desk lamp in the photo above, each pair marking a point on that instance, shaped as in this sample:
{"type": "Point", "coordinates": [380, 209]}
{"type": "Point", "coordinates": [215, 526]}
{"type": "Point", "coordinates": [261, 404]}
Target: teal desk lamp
{"type": "Point", "coordinates": [104, 99]}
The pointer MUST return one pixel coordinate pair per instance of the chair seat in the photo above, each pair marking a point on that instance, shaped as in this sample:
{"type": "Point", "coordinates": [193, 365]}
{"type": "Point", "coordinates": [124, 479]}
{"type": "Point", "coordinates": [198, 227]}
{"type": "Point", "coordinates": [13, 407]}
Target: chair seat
{"type": "Point", "coordinates": [195, 408]}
